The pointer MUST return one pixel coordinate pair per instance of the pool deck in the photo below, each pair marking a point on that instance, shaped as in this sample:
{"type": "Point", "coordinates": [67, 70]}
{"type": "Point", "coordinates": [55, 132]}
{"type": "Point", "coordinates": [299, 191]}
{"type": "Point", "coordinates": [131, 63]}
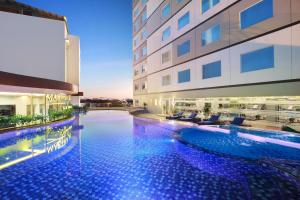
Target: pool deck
{"type": "Point", "coordinates": [261, 124]}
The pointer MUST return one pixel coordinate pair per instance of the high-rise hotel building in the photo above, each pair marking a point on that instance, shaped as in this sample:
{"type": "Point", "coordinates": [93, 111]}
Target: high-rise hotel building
{"type": "Point", "coordinates": [39, 61]}
{"type": "Point", "coordinates": [218, 56]}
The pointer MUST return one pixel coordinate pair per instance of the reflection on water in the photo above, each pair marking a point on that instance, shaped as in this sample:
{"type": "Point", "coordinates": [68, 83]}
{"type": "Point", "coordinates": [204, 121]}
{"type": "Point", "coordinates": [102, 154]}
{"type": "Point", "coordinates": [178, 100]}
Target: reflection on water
{"type": "Point", "coordinates": [19, 149]}
{"type": "Point", "coordinates": [117, 156]}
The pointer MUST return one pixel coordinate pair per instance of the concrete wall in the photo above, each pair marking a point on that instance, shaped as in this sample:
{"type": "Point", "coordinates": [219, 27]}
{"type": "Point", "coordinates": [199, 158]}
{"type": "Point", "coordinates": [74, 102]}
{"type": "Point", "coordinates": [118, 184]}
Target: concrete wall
{"type": "Point", "coordinates": [73, 58]}
{"type": "Point", "coordinates": [230, 59]}
{"type": "Point", "coordinates": [32, 46]}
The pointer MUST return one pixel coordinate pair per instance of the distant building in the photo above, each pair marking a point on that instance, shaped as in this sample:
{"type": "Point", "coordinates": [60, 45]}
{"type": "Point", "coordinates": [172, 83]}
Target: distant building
{"type": "Point", "coordinates": [219, 56]}
{"type": "Point", "coordinates": [39, 61]}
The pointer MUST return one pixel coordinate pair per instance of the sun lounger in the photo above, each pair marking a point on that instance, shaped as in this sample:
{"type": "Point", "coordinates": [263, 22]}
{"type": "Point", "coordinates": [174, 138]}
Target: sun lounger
{"type": "Point", "coordinates": [176, 116]}
{"type": "Point", "coordinates": [190, 118]}
{"type": "Point", "coordinates": [237, 121]}
{"type": "Point", "coordinates": [213, 120]}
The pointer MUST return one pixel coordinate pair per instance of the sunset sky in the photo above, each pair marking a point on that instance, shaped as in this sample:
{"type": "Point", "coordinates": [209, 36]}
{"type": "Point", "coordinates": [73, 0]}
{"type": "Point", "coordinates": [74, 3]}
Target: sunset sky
{"type": "Point", "coordinates": [105, 31]}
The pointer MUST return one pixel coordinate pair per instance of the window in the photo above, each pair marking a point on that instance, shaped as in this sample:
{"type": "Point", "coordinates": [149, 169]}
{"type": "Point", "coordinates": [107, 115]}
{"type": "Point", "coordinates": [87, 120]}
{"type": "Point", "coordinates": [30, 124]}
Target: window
{"type": "Point", "coordinates": [7, 110]}
{"type": "Point", "coordinates": [136, 12]}
{"type": "Point", "coordinates": [166, 10]}
{"type": "Point", "coordinates": [165, 57]}
{"type": "Point", "coordinates": [143, 69]}
{"type": "Point", "coordinates": [259, 12]}
{"type": "Point", "coordinates": [136, 72]}
{"type": "Point", "coordinates": [144, 17]}
{"type": "Point", "coordinates": [166, 33]}
{"type": "Point", "coordinates": [257, 60]}
{"type": "Point", "coordinates": [166, 80]}
{"type": "Point", "coordinates": [137, 25]}
{"type": "Point", "coordinates": [183, 48]}
{"type": "Point", "coordinates": [184, 20]}
{"type": "Point", "coordinates": [144, 34]}
{"type": "Point", "coordinates": [211, 35]}
{"type": "Point", "coordinates": [144, 2]}
{"type": "Point", "coordinates": [134, 43]}
{"type": "Point", "coordinates": [211, 70]}
{"type": "Point", "coordinates": [208, 4]}
{"type": "Point", "coordinates": [136, 87]}
{"type": "Point", "coordinates": [136, 56]}
{"type": "Point", "coordinates": [184, 76]}
{"type": "Point", "coordinates": [144, 51]}
{"type": "Point", "coordinates": [144, 86]}
{"type": "Point", "coordinates": [179, 1]}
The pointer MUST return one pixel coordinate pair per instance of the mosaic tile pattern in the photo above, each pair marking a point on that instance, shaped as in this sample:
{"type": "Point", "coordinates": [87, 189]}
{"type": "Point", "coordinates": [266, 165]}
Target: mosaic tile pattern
{"type": "Point", "coordinates": [116, 156]}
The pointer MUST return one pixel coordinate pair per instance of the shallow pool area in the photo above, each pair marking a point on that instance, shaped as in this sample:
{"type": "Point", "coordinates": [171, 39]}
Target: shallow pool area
{"type": "Point", "coordinates": [113, 155]}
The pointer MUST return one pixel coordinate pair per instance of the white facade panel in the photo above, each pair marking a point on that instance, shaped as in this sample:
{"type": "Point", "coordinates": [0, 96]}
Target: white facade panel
{"type": "Point", "coordinates": [152, 5]}
{"type": "Point", "coordinates": [224, 79]}
{"type": "Point", "coordinates": [73, 60]}
{"type": "Point", "coordinates": [281, 41]}
{"type": "Point", "coordinates": [174, 21]}
{"type": "Point", "coordinates": [32, 46]}
{"type": "Point", "coordinates": [296, 52]}
{"type": "Point", "coordinates": [154, 62]}
{"type": "Point", "coordinates": [200, 17]}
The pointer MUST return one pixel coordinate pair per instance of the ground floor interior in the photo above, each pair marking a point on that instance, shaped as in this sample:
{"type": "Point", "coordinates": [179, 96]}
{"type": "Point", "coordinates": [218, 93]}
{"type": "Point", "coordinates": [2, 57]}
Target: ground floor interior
{"type": "Point", "coordinates": [262, 110]}
{"type": "Point", "coordinates": [32, 104]}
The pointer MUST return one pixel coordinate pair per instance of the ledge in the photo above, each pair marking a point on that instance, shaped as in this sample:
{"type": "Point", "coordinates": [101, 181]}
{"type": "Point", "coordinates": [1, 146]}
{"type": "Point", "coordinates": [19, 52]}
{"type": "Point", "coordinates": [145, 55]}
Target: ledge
{"type": "Point", "coordinates": [9, 129]}
{"type": "Point", "coordinates": [18, 80]}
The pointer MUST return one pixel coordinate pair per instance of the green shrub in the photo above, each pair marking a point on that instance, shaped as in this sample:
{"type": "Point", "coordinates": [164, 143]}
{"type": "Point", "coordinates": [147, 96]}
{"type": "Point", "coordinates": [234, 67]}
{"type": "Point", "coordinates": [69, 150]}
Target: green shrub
{"type": "Point", "coordinates": [21, 120]}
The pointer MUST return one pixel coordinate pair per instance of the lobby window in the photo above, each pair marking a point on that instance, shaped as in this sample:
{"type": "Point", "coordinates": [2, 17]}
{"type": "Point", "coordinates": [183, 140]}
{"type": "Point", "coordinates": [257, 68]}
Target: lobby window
{"type": "Point", "coordinates": [166, 10]}
{"type": "Point", "coordinates": [211, 35]}
{"type": "Point", "coordinates": [184, 20]}
{"type": "Point", "coordinates": [208, 4]}
{"type": "Point", "coordinates": [211, 70]}
{"type": "Point", "coordinates": [184, 76]}
{"type": "Point", "coordinates": [165, 57]}
{"type": "Point", "coordinates": [183, 48]}
{"type": "Point", "coordinates": [144, 51]}
{"type": "Point", "coordinates": [7, 110]}
{"type": "Point", "coordinates": [166, 80]}
{"type": "Point", "coordinates": [257, 13]}
{"type": "Point", "coordinates": [258, 60]}
{"type": "Point", "coordinates": [166, 33]}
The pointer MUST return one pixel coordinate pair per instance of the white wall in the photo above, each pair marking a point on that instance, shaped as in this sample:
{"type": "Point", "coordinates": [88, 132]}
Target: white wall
{"type": "Point", "coordinates": [152, 5]}
{"type": "Point", "coordinates": [32, 46]}
{"type": "Point", "coordinates": [73, 60]}
{"type": "Point", "coordinates": [296, 51]}
{"type": "Point", "coordinates": [154, 42]}
{"type": "Point", "coordinates": [230, 59]}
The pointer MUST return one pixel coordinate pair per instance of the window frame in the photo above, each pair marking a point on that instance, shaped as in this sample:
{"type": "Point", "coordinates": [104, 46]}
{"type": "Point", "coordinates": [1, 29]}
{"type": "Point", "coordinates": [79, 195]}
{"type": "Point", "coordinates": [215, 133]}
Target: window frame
{"type": "Point", "coordinates": [179, 27]}
{"type": "Point", "coordinates": [181, 45]}
{"type": "Point", "coordinates": [184, 80]}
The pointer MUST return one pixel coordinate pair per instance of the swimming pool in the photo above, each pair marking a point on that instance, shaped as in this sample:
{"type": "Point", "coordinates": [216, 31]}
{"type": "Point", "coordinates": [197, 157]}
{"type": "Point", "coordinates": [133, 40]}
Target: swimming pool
{"type": "Point", "coordinates": [113, 155]}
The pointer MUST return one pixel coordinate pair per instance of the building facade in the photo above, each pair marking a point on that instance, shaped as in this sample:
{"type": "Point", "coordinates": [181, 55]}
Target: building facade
{"type": "Point", "coordinates": [39, 61]}
{"type": "Point", "coordinates": [234, 57]}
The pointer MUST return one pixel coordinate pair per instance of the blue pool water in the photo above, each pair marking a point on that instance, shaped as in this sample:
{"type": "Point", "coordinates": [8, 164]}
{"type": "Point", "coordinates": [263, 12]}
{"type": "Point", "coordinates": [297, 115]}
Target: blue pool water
{"type": "Point", "coordinates": [112, 155]}
{"type": "Point", "coordinates": [244, 143]}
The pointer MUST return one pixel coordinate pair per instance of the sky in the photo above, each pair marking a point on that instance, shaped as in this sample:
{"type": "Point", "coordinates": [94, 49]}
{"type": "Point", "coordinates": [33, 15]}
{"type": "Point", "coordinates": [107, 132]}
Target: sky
{"type": "Point", "coordinates": [105, 31]}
